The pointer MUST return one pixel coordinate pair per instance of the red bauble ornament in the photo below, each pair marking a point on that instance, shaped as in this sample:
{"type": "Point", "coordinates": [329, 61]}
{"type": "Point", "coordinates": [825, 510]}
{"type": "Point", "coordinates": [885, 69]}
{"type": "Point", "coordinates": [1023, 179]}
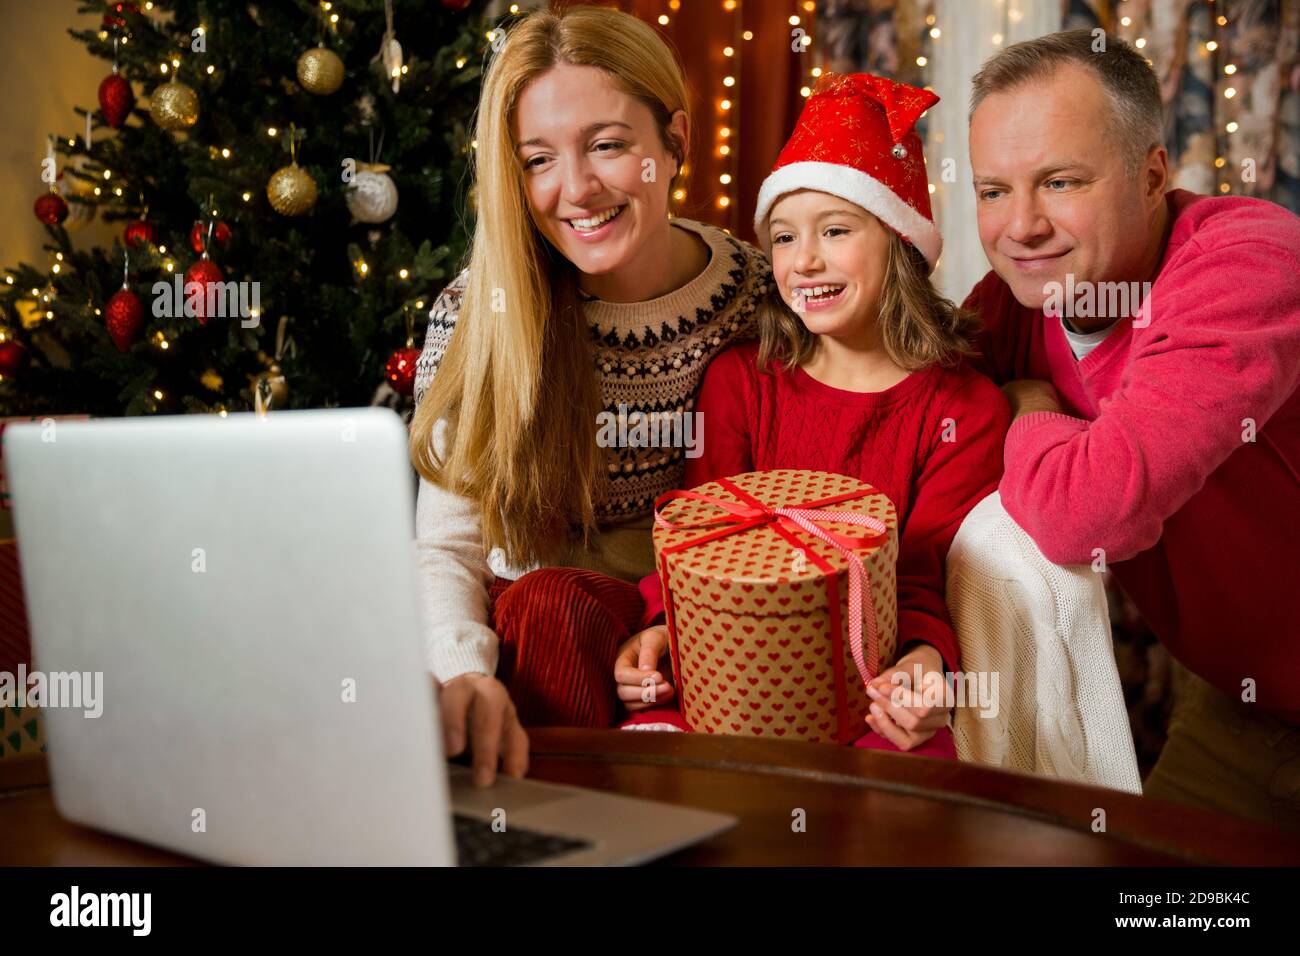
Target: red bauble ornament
{"type": "Point", "coordinates": [199, 232]}
{"type": "Point", "coordinates": [113, 17]}
{"type": "Point", "coordinates": [12, 356]}
{"type": "Point", "coordinates": [456, 5]}
{"type": "Point", "coordinates": [51, 209]}
{"type": "Point", "coordinates": [123, 315]}
{"type": "Point", "coordinates": [140, 233]}
{"type": "Point", "coordinates": [200, 274]}
{"type": "Point", "coordinates": [400, 370]}
{"type": "Point", "coordinates": [115, 99]}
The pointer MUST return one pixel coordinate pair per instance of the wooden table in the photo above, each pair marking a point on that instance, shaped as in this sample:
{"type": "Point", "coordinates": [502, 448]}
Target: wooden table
{"type": "Point", "coordinates": [860, 808]}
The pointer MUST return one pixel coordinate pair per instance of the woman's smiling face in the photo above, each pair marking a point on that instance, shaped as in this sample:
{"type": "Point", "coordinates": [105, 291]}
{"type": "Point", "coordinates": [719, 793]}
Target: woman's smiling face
{"type": "Point", "coordinates": [590, 152]}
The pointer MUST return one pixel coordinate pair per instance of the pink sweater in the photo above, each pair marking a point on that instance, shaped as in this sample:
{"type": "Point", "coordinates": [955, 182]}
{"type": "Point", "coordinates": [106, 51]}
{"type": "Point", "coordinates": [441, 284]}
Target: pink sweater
{"type": "Point", "coordinates": [1153, 462]}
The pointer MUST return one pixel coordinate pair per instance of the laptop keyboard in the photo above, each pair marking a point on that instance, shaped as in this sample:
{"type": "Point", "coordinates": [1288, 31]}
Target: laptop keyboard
{"type": "Point", "coordinates": [477, 844]}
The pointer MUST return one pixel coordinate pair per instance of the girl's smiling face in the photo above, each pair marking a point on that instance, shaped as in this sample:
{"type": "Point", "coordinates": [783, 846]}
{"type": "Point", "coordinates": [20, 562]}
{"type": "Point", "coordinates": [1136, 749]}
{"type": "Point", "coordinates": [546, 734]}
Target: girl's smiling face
{"type": "Point", "coordinates": [828, 258]}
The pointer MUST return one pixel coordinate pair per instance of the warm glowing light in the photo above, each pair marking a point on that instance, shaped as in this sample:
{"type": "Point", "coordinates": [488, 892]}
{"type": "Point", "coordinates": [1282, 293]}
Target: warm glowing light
{"type": "Point", "coordinates": [403, 274]}
{"type": "Point", "coordinates": [724, 178]}
{"type": "Point", "coordinates": [225, 154]}
{"type": "Point", "coordinates": [679, 194]}
{"type": "Point", "coordinates": [1223, 21]}
{"type": "Point", "coordinates": [1140, 42]}
{"type": "Point", "coordinates": [1231, 127]}
{"type": "Point", "coordinates": [725, 104]}
{"type": "Point", "coordinates": [1212, 45]}
{"type": "Point", "coordinates": [794, 21]}
{"type": "Point", "coordinates": [729, 5]}
{"type": "Point", "coordinates": [1126, 21]}
{"type": "Point", "coordinates": [935, 34]}
{"type": "Point", "coordinates": [921, 61]}
{"type": "Point", "coordinates": [805, 91]}
{"type": "Point", "coordinates": [997, 39]}
{"type": "Point", "coordinates": [724, 131]}
{"type": "Point", "coordinates": [728, 81]}
{"type": "Point", "coordinates": [157, 394]}
{"type": "Point", "coordinates": [663, 20]}
{"type": "Point", "coordinates": [211, 70]}
{"type": "Point", "coordinates": [460, 62]}
{"type": "Point", "coordinates": [1220, 162]}
{"type": "Point", "coordinates": [55, 268]}
{"type": "Point", "coordinates": [163, 67]}
{"type": "Point", "coordinates": [272, 131]}
{"type": "Point", "coordinates": [1224, 187]}
{"type": "Point", "coordinates": [1229, 93]}
{"type": "Point", "coordinates": [931, 187]}
{"type": "Point", "coordinates": [724, 201]}
{"type": "Point", "coordinates": [747, 35]}
{"type": "Point", "coordinates": [363, 268]}
{"type": "Point", "coordinates": [728, 51]}
{"type": "Point", "coordinates": [724, 150]}
{"type": "Point", "coordinates": [816, 71]}
{"type": "Point", "coordinates": [1230, 69]}
{"type": "Point", "coordinates": [247, 196]}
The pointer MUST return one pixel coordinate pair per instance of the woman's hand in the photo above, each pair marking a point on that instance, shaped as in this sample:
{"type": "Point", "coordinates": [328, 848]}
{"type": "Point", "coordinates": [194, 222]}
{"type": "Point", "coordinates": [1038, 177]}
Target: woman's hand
{"type": "Point", "coordinates": [640, 684]}
{"type": "Point", "coordinates": [897, 711]}
{"type": "Point", "coordinates": [483, 704]}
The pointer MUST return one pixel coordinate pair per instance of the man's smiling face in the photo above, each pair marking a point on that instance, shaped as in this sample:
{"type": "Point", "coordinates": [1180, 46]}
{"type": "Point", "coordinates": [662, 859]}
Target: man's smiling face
{"type": "Point", "coordinates": [1052, 192]}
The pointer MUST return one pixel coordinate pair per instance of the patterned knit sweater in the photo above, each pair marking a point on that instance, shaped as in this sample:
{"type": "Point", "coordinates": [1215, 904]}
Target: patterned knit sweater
{"type": "Point", "coordinates": [649, 358]}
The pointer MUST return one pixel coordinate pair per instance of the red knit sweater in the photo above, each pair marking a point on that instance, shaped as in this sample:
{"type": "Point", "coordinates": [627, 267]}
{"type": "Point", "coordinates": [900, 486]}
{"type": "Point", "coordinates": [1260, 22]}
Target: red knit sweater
{"type": "Point", "coordinates": [893, 440]}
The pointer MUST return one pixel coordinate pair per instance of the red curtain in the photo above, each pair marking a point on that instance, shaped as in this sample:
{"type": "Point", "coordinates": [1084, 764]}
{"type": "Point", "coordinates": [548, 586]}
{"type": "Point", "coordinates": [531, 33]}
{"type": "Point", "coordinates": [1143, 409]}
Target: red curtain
{"type": "Point", "coordinates": [765, 100]}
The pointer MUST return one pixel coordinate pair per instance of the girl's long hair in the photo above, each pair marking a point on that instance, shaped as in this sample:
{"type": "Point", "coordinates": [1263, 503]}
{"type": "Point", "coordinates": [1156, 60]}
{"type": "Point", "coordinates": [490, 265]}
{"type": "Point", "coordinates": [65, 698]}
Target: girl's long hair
{"type": "Point", "coordinates": [518, 387]}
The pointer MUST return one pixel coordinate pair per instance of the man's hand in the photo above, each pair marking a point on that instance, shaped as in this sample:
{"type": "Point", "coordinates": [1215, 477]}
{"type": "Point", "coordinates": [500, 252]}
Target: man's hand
{"type": "Point", "coordinates": [1027, 395]}
{"type": "Point", "coordinates": [483, 704]}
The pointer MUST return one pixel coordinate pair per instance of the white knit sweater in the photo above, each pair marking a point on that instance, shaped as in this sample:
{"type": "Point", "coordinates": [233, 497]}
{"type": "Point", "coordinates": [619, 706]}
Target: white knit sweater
{"type": "Point", "coordinates": [649, 357]}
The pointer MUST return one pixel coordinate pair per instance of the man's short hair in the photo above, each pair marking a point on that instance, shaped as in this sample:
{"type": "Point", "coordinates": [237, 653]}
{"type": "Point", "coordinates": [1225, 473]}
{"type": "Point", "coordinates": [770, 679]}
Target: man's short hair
{"type": "Point", "coordinates": [1125, 75]}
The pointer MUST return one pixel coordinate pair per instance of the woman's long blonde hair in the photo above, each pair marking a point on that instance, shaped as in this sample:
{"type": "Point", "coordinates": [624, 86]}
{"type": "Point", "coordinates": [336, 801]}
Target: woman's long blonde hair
{"type": "Point", "coordinates": [518, 387]}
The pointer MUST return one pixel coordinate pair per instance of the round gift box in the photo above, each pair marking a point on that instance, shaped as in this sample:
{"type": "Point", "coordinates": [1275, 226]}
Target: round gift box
{"type": "Point", "coordinates": [754, 645]}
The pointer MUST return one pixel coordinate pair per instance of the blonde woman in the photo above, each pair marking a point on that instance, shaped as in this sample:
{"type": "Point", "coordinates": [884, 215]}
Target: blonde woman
{"type": "Point", "coordinates": [583, 302]}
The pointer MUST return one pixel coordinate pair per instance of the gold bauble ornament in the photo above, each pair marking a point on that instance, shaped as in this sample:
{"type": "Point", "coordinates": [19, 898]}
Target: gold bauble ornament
{"type": "Point", "coordinates": [291, 191]}
{"type": "Point", "coordinates": [174, 106]}
{"type": "Point", "coordinates": [320, 71]}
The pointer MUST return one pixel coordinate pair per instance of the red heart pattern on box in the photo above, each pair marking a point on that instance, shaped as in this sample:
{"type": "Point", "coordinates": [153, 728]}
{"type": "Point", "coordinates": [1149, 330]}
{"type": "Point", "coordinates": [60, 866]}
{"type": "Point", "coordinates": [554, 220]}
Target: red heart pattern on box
{"type": "Point", "coordinates": [751, 625]}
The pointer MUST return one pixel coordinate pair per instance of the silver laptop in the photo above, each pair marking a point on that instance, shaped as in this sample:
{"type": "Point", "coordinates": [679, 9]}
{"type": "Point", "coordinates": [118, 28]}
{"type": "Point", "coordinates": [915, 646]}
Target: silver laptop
{"type": "Point", "coordinates": [237, 598]}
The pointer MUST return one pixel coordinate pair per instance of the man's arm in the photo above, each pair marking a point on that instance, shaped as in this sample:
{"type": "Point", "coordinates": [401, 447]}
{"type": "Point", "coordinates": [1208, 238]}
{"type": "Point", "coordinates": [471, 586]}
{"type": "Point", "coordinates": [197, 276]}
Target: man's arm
{"type": "Point", "coordinates": [1219, 352]}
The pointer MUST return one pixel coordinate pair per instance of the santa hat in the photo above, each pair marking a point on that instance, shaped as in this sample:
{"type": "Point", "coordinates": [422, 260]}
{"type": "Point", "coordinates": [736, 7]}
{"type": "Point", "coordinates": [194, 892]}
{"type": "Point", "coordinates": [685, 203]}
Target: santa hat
{"type": "Point", "coordinates": [855, 140]}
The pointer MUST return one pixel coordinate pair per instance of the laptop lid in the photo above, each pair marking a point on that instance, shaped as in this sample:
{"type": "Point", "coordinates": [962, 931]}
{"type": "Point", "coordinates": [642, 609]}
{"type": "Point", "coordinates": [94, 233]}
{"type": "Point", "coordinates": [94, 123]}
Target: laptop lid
{"type": "Point", "coordinates": [245, 588]}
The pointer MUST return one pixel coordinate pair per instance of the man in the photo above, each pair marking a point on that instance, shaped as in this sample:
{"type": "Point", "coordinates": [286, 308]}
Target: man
{"type": "Point", "coordinates": [1158, 436]}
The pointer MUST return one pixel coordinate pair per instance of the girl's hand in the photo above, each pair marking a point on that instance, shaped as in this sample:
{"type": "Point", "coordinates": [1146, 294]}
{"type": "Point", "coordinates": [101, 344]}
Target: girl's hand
{"type": "Point", "coordinates": [897, 711]}
{"type": "Point", "coordinates": [640, 684]}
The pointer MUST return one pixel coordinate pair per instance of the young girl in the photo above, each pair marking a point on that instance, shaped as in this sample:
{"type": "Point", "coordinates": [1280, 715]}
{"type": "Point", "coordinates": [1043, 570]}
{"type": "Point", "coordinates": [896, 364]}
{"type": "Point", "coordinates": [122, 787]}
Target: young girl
{"type": "Point", "coordinates": [860, 375]}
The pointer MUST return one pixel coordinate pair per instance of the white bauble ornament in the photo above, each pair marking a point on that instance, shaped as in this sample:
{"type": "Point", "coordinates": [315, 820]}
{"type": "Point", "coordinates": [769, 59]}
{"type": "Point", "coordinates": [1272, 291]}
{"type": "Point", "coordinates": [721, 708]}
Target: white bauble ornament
{"type": "Point", "coordinates": [372, 197]}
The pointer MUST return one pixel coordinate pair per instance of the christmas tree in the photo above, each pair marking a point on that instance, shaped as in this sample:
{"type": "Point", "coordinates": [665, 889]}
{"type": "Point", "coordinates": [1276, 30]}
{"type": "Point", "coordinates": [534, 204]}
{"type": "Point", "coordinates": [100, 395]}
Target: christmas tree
{"type": "Point", "coordinates": [290, 178]}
